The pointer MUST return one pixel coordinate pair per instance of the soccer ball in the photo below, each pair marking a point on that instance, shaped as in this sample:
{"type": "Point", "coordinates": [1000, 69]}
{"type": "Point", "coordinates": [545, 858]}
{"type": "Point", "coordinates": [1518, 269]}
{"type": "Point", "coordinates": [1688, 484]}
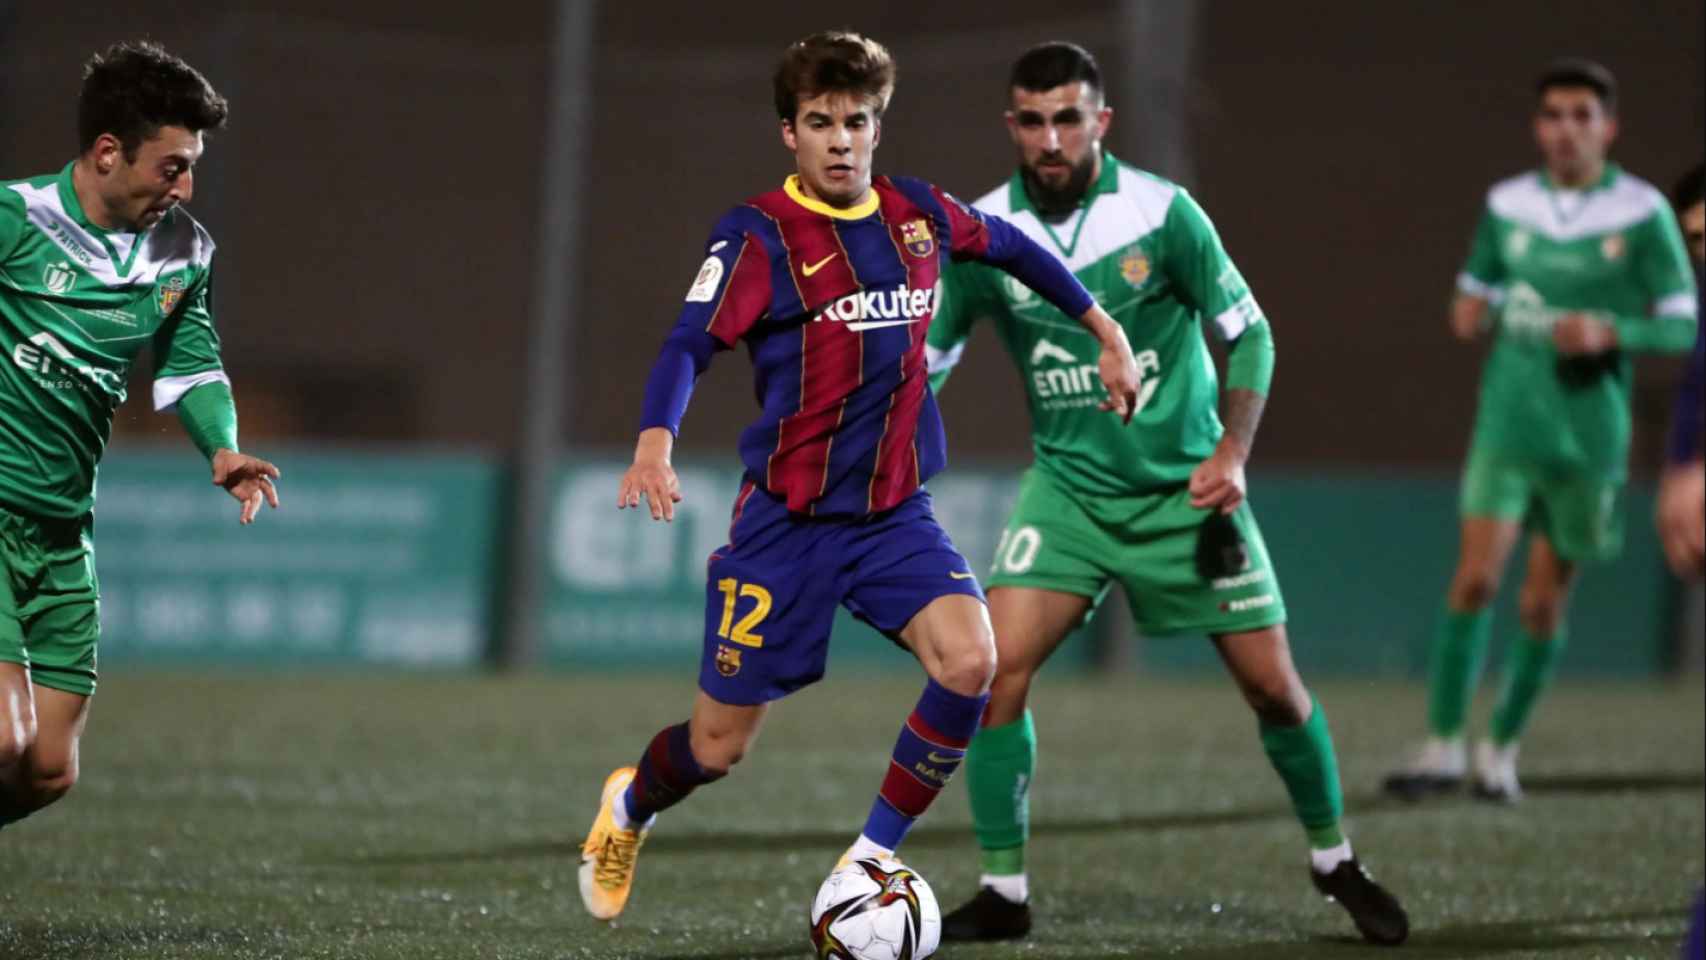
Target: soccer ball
{"type": "Point", "coordinates": [875, 909]}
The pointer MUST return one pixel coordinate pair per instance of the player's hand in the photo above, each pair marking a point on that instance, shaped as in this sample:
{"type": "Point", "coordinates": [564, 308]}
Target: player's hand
{"type": "Point", "coordinates": [1218, 482]}
{"type": "Point", "coordinates": [1682, 517]}
{"type": "Point", "coordinates": [1468, 317]}
{"type": "Point", "coordinates": [1116, 366]}
{"type": "Point", "coordinates": [1579, 334]}
{"type": "Point", "coordinates": [248, 479]}
{"type": "Point", "coordinates": [651, 476]}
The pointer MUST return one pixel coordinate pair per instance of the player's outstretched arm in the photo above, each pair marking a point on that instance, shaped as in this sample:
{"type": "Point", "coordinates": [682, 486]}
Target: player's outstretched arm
{"type": "Point", "coordinates": [1116, 365]}
{"type": "Point", "coordinates": [249, 480]}
{"type": "Point", "coordinates": [651, 476]}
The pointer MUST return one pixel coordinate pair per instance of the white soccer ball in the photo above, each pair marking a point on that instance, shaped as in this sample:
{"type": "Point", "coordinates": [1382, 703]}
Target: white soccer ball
{"type": "Point", "coordinates": [875, 909]}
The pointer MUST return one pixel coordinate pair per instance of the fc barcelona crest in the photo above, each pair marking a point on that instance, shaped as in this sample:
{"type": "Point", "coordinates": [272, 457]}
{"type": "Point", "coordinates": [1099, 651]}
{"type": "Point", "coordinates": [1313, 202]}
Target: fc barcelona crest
{"type": "Point", "coordinates": [915, 234]}
{"type": "Point", "coordinates": [170, 293]}
{"type": "Point", "coordinates": [1134, 267]}
{"type": "Point", "coordinates": [728, 660]}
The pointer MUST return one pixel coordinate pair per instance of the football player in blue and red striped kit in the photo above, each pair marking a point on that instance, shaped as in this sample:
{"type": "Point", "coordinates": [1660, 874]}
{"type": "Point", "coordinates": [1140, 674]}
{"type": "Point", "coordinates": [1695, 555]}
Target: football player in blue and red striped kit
{"type": "Point", "coordinates": [830, 281]}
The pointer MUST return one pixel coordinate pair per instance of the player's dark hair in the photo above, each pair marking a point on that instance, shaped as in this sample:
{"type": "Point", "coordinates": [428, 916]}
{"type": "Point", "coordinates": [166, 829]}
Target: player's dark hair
{"type": "Point", "coordinates": [134, 88]}
{"type": "Point", "coordinates": [834, 61]}
{"type": "Point", "coordinates": [1579, 72]}
{"type": "Point", "coordinates": [1689, 190]}
{"type": "Point", "coordinates": [1049, 65]}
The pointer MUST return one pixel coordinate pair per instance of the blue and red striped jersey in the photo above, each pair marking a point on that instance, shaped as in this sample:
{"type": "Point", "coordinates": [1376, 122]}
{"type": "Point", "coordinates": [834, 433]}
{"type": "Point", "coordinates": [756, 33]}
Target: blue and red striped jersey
{"type": "Point", "coordinates": [833, 305]}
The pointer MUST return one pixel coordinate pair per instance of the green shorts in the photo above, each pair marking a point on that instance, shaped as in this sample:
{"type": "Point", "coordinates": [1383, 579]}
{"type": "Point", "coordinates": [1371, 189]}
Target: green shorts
{"type": "Point", "coordinates": [1577, 511]}
{"type": "Point", "coordinates": [49, 601]}
{"type": "Point", "coordinates": [1184, 570]}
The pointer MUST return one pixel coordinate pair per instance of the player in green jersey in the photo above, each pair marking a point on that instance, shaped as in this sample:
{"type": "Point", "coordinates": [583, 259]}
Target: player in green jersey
{"type": "Point", "coordinates": [1157, 504]}
{"type": "Point", "coordinates": [1574, 268]}
{"type": "Point", "coordinates": [97, 262]}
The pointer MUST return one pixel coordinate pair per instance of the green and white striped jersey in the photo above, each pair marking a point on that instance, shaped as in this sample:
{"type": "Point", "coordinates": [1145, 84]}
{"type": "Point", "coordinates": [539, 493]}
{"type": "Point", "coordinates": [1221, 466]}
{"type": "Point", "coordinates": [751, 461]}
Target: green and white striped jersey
{"type": "Point", "coordinates": [1151, 258]}
{"type": "Point", "coordinates": [1611, 250]}
{"type": "Point", "coordinates": [77, 304]}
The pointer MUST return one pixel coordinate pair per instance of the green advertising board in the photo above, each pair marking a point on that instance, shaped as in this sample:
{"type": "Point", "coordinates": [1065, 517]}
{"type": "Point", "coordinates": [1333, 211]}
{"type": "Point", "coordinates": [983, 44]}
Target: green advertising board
{"type": "Point", "coordinates": [370, 558]}
{"type": "Point", "coordinates": [394, 559]}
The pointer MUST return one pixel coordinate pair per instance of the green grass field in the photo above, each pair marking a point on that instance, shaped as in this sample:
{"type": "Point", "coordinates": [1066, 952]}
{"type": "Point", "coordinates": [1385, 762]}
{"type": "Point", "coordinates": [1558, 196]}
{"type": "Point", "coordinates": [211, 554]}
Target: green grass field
{"type": "Point", "coordinates": [299, 816]}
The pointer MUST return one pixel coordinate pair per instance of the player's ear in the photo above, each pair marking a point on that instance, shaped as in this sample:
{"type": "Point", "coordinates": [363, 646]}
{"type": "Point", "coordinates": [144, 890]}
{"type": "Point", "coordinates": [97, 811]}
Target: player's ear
{"type": "Point", "coordinates": [1104, 117]}
{"type": "Point", "coordinates": [788, 139]}
{"type": "Point", "coordinates": [106, 152]}
{"type": "Point", "coordinates": [1611, 130]}
{"type": "Point", "coordinates": [876, 131]}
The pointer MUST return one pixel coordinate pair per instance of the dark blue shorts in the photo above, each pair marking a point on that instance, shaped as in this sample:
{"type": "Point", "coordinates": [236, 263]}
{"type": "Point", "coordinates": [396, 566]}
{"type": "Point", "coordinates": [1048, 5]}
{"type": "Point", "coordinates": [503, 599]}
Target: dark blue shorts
{"type": "Point", "coordinates": [772, 591]}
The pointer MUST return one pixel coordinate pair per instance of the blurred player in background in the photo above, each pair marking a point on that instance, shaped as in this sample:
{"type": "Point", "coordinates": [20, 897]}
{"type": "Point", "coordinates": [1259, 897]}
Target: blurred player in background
{"type": "Point", "coordinates": [1158, 505]}
{"type": "Point", "coordinates": [97, 262]}
{"type": "Point", "coordinates": [1682, 484]}
{"type": "Point", "coordinates": [830, 282]}
{"type": "Point", "coordinates": [1574, 268]}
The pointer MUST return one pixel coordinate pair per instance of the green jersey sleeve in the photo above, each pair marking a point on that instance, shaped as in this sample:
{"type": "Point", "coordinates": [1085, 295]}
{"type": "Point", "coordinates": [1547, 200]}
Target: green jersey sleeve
{"type": "Point", "coordinates": [11, 223]}
{"type": "Point", "coordinates": [1662, 268]}
{"type": "Point", "coordinates": [1205, 276]}
{"type": "Point", "coordinates": [186, 348]}
{"type": "Point", "coordinates": [1483, 273]}
{"type": "Point", "coordinates": [959, 301]}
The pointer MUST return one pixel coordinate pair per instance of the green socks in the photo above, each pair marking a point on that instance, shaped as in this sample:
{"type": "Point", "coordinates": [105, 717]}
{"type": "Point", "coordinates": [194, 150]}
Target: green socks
{"type": "Point", "coordinates": [1529, 668]}
{"type": "Point", "coordinates": [1303, 757]}
{"type": "Point", "coordinates": [1460, 646]}
{"type": "Point", "coordinates": [999, 765]}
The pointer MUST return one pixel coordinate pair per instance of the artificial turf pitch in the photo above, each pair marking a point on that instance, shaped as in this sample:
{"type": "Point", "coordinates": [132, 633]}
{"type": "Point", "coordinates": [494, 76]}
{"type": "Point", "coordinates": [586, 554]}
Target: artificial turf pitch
{"type": "Point", "coordinates": [306, 815]}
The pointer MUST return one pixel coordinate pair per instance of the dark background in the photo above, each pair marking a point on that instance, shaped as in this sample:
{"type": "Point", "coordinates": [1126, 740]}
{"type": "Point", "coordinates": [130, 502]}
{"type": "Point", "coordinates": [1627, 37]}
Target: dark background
{"type": "Point", "coordinates": [377, 195]}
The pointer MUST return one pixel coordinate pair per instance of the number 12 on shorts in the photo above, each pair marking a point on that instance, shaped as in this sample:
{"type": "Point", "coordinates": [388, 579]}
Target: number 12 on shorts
{"type": "Point", "coordinates": [741, 632]}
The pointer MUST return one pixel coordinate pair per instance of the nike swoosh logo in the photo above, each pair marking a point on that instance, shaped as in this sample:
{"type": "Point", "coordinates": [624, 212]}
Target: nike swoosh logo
{"type": "Point", "coordinates": [961, 576]}
{"type": "Point", "coordinates": [874, 324]}
{"type": "Point", "coordinates": [935, 757]}
{"type": "Point", "coordinates": [810, 268]}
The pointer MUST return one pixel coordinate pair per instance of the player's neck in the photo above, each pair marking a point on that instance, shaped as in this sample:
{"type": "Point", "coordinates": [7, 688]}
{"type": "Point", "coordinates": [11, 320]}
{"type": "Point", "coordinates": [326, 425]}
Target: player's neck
{"type": "Point", "coordinates": [1580, 179]}
{"type": "Point", "coordinates": [95, 209]}
{"type": "Point", "coordinates": [805, 188]}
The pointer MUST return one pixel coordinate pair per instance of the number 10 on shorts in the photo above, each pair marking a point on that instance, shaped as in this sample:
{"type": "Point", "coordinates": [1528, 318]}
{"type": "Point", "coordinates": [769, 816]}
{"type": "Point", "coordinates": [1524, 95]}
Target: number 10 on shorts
{"type": "Point", "coordinates": [741, 633]}
{"type": "Point", "coordinates": [1017, 550]}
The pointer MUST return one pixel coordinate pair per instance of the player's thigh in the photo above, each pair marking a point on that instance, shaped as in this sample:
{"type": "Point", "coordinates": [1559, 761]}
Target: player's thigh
{"type": "Point", "coordinates": [17, 714]}
{"type": "Point", "coordinates": [1260, 663]}
{"type": "Point", "coordinates": [1030, 624]}
{"type": "Point", "coordinates": [1484, 545]}
{"type": "Point", "coordinates": [769, 604]}
{"type": "Point", "coordinates": [1493, 498]}
{"type": "Point", "coordinates": [953, 640]}
{"type": "Point", "coordinates": [1581, 516]}
{"type": "Point", "coordinates": [902, 574]}
{"type": "Point", "coordinates": [52, 760]}
{"type": "Point", "coordinates": [1192, 571]}
{"type": "Point", "coordinates": [1049, 546]}
{"type": "Point", "coordinates": [61, 613]}
{"type": "Point", "coordinates": [1549, 577]}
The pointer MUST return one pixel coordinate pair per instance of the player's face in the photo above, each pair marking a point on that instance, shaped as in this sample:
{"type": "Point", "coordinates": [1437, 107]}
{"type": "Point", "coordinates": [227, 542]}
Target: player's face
{"type": "Point", "coordinates": [1058, 134]}
{"type": "Point", "coordinates": [1694, 231]}
{"type": "Point", "coordinates": [1574, 131]}
{"type": "Point", "coordinates": [833, 137]}
{"type": "Point", "coordinates": [137, 193]}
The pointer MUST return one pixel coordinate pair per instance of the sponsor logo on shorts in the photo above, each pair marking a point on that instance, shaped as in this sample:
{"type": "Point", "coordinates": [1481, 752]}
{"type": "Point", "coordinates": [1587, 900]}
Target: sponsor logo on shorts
{"type": "Point", "coordinates": [1241, 580]}
{"type": "Point", "coordinates": [958, 575]}
{"type": "Point", "coordinates": [1247, 603]}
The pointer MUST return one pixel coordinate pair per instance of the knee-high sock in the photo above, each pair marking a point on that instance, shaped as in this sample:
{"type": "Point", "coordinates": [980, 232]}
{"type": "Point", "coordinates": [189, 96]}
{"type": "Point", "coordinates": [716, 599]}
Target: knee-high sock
{"type": "Point", "coordinates": [931, 745]}
{"type": "Point", "coordinates": [999, 767]}
{"type": "Point", "coordinates": [1460, 647]}
{"type": "Point", "coordinates": [1303, 757]}
{"type": "Point", "coordinates": [666, 774]}
{"type": "Point", "coordinates": [1528, 671]}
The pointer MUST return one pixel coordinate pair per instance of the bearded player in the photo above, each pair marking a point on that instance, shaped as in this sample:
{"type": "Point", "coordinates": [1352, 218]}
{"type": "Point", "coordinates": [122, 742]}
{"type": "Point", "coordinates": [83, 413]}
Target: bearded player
{"type": "Point", "coordinates": [1157, 504]}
